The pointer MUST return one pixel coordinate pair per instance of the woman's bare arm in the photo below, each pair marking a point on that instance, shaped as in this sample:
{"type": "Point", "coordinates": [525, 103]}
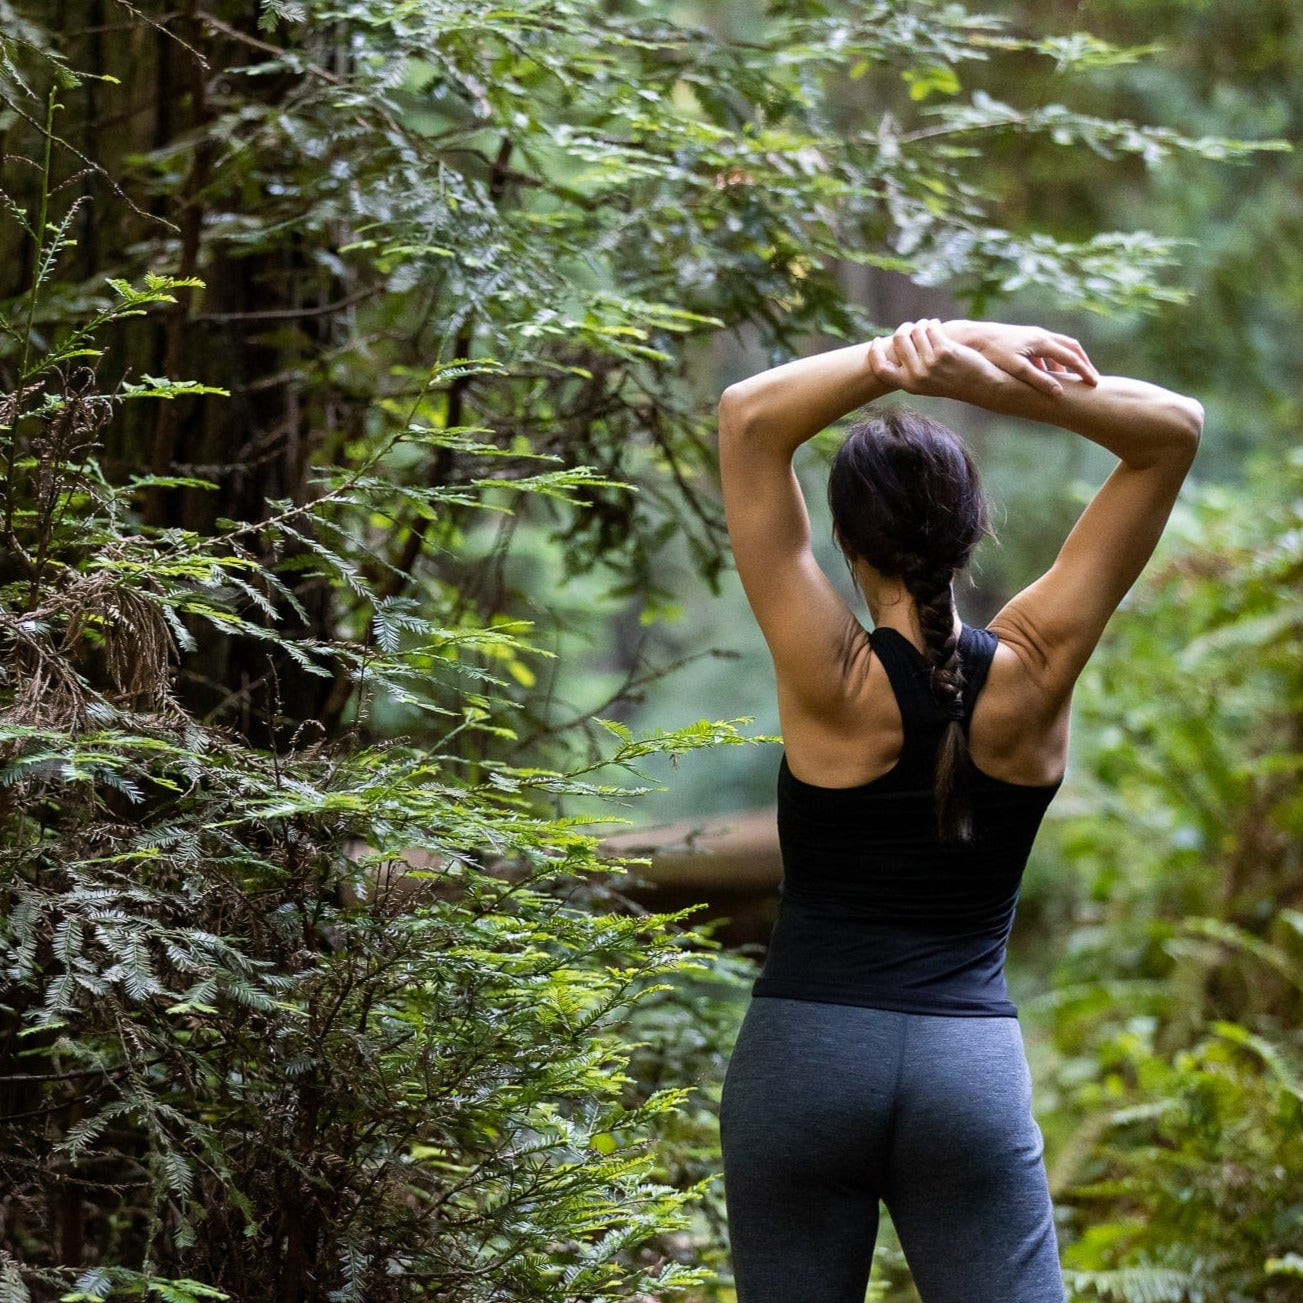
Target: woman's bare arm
{"type": "Point", "coordinates": [762, 421]}
{"type": "Point", "coordinates": [1055, 623]}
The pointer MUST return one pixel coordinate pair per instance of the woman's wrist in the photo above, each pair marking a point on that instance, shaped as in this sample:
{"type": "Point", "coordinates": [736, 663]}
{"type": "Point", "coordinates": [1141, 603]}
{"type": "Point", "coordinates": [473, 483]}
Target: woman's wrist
{"type": "Point", "coordinates": [962, 331]}
{"type": "Point", "coordinates": [791, 403]}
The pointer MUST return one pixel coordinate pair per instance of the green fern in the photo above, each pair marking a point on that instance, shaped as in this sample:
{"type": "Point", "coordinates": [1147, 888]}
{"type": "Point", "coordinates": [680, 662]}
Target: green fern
{"type": "Point", "coordinates": [1136, 1285]}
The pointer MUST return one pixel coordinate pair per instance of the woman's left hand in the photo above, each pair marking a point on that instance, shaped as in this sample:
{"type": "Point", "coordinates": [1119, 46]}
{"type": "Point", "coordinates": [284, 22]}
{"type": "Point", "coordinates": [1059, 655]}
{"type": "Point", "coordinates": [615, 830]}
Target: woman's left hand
{"type": "Point", "coordinates": [1040, 358]}
{"type": "Point", "coordinates": [959, 359]}
{"type": "Point", "coordinates": [921, 358]}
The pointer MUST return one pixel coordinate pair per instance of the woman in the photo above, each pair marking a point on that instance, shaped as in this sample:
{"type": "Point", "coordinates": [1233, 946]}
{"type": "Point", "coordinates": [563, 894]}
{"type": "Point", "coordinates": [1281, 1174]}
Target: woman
{"type": "Point", "coordinates": [880, 1058]}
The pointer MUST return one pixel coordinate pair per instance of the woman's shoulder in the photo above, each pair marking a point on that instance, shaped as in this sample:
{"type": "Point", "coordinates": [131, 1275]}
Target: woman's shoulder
{"type": "Point", "coordinates": [1019, 730]}
{"type": "Point", "coordinates": [856, 742]}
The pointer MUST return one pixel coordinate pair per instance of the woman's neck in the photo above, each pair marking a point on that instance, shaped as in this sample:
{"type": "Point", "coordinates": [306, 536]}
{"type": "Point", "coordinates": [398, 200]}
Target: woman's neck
{"type": "Point", "coordinates": [890, 604]}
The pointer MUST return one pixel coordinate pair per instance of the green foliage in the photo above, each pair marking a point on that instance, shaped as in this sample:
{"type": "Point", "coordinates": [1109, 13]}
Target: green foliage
{"type": "Point", "coordinates": [1195, 1174]}
{"type": "Point", "coordinates": [314, 988]}
{"type": "Point", "coordinates": [1180, 1090]}
{"type": "Point", "coordinates": [242, 1040]}
{"type": "Point", "coordinates": [579, 191]}
{"type": "Point", "coordinates": [1221, 70]}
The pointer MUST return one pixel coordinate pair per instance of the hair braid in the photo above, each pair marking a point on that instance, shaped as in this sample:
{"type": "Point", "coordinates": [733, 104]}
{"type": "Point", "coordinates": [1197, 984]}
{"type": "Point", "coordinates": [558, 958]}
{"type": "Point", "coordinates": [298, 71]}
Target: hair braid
{"type": "Point", "coordinates": [905, 497]}
{"type": "Point", "coordinates": [930, 587]}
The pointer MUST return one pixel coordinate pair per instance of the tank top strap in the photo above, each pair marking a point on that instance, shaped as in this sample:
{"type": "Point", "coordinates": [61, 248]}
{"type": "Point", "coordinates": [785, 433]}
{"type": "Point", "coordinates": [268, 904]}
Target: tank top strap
{"type": "Point", "coordinates": [907, 672]}
{"type": "Point", "coordinates": [910, 676]}
{"type": "Point", "coordinates": [976, 651]}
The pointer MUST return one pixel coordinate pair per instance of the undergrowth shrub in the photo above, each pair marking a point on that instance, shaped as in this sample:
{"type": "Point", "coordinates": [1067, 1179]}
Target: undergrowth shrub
{"type": "Point", "coordinates": [1178, 1091]}
{"type": "Point", "coordinates": [326, 1019]}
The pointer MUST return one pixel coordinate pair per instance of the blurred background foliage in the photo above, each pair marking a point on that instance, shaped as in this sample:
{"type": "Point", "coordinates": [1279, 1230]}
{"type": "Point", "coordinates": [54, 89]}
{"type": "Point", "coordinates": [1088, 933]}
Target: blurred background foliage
{"type": "Point", "coordinates": [343, 534]}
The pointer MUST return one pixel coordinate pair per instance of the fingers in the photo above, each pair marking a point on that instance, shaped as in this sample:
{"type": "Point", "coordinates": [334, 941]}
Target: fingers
{"type": "Point", "coordinates": [1068, 352]}
{"type": "Point", "coordinates": [1048, 350]}
{"type": "Point", "coordinates": [1032, 372]}
{"type": "Point", "coordinates": [918, 345]}
{"type": "Point", "coordinates": [929, 340]}
{"type": "Point", "coordinates": [922, 358]}
{"type": "Point", "coordinates": [905, 343]}
{"type": "Point", "coordinates": [883, 362]}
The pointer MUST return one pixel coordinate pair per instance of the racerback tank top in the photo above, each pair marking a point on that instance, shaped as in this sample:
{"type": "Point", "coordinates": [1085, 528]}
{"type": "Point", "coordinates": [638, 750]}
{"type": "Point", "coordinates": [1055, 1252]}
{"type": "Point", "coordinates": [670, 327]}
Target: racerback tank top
{"type": "Point", "coordinates": [874, 909]}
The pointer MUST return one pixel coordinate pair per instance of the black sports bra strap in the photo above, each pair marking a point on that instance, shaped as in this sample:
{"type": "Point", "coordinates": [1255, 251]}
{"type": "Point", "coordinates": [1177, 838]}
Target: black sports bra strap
{"type": "Point", "coordinates": [909, 674]}
{"type": "Point", "coordinates": [977, 650]}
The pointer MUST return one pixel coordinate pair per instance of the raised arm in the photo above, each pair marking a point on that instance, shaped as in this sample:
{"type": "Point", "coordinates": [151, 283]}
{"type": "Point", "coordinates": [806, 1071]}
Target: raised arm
{"type": "Point", "coordinates": [1055, 623]}
{"type": "Point", "coordinates": [762, 421]}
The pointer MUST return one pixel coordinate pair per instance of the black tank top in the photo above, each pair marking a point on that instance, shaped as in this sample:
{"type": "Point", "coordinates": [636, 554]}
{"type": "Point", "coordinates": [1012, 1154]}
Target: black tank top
{"type": "Point", "coordinates": [874, 909]}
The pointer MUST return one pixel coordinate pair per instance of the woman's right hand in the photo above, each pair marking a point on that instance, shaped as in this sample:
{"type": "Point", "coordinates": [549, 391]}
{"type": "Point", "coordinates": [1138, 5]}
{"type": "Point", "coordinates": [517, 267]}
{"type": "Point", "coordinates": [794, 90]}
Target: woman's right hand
{"type": "Point", "coordinates": [921, 358]}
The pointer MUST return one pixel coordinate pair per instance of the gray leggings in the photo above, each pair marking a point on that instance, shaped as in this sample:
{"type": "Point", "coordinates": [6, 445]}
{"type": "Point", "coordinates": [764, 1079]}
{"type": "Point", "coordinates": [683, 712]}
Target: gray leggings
{"type": "Point", "coordinates": [830, 1108]}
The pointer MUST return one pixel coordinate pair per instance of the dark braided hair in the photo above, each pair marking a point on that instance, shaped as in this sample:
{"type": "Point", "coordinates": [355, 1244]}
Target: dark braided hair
{"type": "Point", "coordinates": [906, 498]}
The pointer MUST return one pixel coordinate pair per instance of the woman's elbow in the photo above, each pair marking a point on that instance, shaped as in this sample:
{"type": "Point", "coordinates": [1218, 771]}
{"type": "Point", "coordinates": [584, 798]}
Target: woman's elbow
{"type": "Point", "coordinates": [735, 409]}
{"type": "Point", "coordinates": [1188, 424]}
{"type": "Point", "coordinates": [1176, 422]}
{"type": "Point", "coordinates": [1169, 430]}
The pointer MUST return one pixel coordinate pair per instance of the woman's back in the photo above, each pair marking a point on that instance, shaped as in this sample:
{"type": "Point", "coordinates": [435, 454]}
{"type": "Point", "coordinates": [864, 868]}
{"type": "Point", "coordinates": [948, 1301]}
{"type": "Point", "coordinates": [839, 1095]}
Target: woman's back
{"type": "Point", "coordinates": [1012, 735]}
{"type": "Point", "coordinates": [876, 909]}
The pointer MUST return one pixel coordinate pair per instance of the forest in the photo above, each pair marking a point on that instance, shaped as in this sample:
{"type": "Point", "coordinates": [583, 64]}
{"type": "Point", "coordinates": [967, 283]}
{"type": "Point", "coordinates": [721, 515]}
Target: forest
{"type": "Point", "coordinates": [364, 586]}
